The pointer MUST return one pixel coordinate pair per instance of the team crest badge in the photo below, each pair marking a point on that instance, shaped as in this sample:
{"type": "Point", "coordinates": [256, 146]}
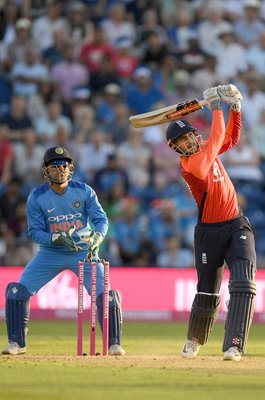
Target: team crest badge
{"type": "Point", "coordinates": [77, 204]}
{"type": "Point", "coordinates": [59, 150]}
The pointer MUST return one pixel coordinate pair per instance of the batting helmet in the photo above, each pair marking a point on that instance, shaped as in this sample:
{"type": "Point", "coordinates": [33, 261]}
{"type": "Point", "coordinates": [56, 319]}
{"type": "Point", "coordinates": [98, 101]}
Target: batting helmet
{"type": "Point", "coordinates": [56, 153]}
{"type": "Point", "coordinates": [178, 128]}
{"type": "Point", "coordinates": [57, 156]}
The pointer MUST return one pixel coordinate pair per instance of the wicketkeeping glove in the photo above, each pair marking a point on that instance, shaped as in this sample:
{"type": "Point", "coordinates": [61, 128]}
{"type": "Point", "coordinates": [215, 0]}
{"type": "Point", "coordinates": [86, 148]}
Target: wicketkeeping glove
{"type": "Point", "coordinates": [231, 95]}
{"type": "Point", "coordinates": [212, 97]}
{"type": "Point", "coordinates": [95, 242]}
{"type": "Point", "coordinates": [64, 238]}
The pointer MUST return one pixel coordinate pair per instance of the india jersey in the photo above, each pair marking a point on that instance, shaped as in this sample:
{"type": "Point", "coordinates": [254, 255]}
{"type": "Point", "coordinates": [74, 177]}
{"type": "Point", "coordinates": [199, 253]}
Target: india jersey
{"type": "Point", "coordinates": [78, 206]}
{"type": "Point", "coordinates": [205, 174]}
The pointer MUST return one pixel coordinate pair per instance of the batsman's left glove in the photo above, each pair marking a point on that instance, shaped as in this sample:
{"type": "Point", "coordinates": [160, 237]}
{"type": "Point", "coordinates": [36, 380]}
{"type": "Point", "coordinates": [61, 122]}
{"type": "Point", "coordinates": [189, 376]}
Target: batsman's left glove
{"type": "Point", "coordinates": [231, 95]}
{"type": "Point", "coordinates": [64, 238]}
{"type": "Point", "coordinates": [213, 99]}
{"type": "Point", "coordinates": [95, 241]}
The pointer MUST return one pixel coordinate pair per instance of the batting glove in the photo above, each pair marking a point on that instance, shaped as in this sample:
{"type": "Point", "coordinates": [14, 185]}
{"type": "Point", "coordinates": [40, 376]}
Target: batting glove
{"type": "Point", "coordinates": [231, 95]}
{"type": "Point", "coordinates": [96, 241]}
{"type": "Point", "coordinates": [212, 97]}
{"type": "Point", "coordinates": [64, 238]}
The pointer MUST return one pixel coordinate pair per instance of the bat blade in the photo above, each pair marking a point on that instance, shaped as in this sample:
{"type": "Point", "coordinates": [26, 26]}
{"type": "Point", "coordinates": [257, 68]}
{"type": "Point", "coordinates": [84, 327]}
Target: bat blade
{"type": "Point", "coordinates": [166, 114]}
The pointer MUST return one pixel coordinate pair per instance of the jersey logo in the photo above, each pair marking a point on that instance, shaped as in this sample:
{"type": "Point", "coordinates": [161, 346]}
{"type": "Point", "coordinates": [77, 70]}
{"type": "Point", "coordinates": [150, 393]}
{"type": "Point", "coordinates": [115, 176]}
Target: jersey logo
{"type": "Point", "coordinates": [77, 204]}
{"type": "Point", "coordinates": [243, 237]}
{"type": "Point", "coordinates": [51, 209]}
{"type": "Point", "coordinates": [217, 175]}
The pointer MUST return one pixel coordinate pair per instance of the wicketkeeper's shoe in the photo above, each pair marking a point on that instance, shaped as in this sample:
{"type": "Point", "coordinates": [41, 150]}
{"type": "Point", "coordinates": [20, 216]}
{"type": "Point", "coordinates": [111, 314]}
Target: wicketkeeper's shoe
{"type": "Point", "coordinates": [232, 354]}
{"type": "Point", "coordinates": [190, 349]}
{"type": "Point", "coordinates": [13, 348]}
{"type": "Point", "coordinates": [116, 350]}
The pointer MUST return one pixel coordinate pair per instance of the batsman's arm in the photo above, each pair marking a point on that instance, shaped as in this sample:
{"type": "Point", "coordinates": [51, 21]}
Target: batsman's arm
{"type": "Point", "coordinates": [167, 114]}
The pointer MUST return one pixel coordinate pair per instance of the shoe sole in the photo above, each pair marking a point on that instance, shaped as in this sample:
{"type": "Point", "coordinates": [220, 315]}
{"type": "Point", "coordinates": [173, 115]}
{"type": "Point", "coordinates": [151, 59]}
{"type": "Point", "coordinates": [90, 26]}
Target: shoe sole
{"type": "Point", "coordinates": [15, 353]}
{"type": "Point", "coordinates": [117, 354]}
{"type": "Point", "coordinates": [231, 358]}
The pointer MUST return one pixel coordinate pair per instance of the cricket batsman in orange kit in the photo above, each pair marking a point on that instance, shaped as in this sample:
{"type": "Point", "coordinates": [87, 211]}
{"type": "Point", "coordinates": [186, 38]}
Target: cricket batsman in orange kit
{"type": "Point", "coordinates": [223, 233]}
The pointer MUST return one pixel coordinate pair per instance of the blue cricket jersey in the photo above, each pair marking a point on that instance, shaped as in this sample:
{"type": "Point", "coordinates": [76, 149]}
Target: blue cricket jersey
{"type": "Point", "coordinates": [78, 206]}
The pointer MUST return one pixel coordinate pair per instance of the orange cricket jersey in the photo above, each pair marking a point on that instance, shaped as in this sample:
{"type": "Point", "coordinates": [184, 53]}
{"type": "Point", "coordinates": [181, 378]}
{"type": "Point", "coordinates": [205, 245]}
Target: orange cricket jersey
{"type": "Point", "coordinates": [206, 176]}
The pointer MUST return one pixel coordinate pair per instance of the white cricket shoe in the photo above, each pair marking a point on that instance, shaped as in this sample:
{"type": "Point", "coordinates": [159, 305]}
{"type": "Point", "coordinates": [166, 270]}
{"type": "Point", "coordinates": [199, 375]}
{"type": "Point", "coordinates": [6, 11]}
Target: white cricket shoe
{"type": "Point", "coordinates": [190, 349]}
{"type": "Point", "coordinates": [116, 350]}
{"type": "Point", "coordinates": [13, 348]}
{"type": "Point", "coordinates": [232, 354]}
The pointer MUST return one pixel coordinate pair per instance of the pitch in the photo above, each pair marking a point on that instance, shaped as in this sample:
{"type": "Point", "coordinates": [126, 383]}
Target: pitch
{"type": "Point", "coordinates": [151, 369]}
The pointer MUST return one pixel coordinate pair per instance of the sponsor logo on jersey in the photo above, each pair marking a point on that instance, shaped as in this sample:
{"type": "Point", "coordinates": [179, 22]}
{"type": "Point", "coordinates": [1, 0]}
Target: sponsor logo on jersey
{"type": "Point", "coordinates": [217, 175]}
{"type": "Point", "coordinates": [49, 211]}
{"type": "Point", "coordinates": [64, 222]}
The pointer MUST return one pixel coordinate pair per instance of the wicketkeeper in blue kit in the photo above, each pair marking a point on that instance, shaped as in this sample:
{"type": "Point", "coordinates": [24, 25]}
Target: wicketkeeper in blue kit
{"type": "Point", "coordinates": [59, 214]}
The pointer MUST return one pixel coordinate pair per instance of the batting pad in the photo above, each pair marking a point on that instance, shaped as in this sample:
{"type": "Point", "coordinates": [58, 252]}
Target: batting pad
{"type": "Point", "coordinates": [242, 288]}
{"type": "Point", "coordinates": [17, 312]}
{"type": "Point", "coordinates": [204, 312]}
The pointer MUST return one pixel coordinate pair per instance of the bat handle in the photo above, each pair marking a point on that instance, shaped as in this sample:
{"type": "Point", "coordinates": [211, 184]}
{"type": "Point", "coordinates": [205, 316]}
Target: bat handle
{"type": "Point", "coordinates": [202, 102]}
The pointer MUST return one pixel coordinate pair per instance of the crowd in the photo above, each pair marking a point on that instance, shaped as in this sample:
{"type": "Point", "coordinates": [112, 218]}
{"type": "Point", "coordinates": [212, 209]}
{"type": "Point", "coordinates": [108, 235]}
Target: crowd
{"type": "Point", "coordinates": [71, 74]}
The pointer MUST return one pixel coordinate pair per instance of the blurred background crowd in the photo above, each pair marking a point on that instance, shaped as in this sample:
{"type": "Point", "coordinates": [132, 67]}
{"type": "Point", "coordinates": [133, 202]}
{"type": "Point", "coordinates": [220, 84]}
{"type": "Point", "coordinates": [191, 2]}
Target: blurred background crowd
{"type": "Point", "coordinates": [71, 74]}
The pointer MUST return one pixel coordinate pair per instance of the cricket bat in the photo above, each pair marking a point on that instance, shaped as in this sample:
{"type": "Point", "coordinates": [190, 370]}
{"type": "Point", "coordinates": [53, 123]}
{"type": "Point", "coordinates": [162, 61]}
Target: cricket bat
{"type": "Point", "coordinates": [166, 114]}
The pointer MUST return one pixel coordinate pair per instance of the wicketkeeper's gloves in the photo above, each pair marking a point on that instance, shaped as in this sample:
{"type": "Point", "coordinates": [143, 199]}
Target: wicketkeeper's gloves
{"type": "Point", "coordinates": [213, 99]}
{"type": "Point", "coordinates": [231, 95]}
{"type": "Point", "coordinates": [95, 241]}
{"type": "Point", "coordinates": [64, 238]}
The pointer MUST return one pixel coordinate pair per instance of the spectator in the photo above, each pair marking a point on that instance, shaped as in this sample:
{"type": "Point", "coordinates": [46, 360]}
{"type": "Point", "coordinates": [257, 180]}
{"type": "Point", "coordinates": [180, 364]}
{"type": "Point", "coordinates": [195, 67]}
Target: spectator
{"type": "Point", "coordinates": [45, 25]}
{"type": "Point", "coordinates": [104, 76]}
{"type": "Point", "coordinates": [105, 107]}
{"type": "Point", "coordinates": [143, 95]}
{"type": "Point", "coordinates": [206, 76]}
{"type": "Point", "coordinates": [155, 52]}
{"type": "Point", "coordinates": [26, 76]}
{"type": "Point", "coordinates": [16, 120]}
{"type": "Point", "coordinates": [149, 25]}
{"type": "Point", "coordinates": [81, 27]}
{"type": "Point", "coordinates": [68, 74]}
{"type": "Point", "coordinates": [249, 27]}
{"type": "Point", "coordinates": [47, 125]}
{"type": "Point", "coordinates": [115, 26]}
{"type": "Point", "coordinates": [129, 232]}
{"type": "Point", "coordinates": [125, 61]}
{"type": "Point", "coordinates": [55, 53]}
{"type": "Point", "coordinates": [119, 131]}
{"type": "Point", "coordinates": [134, 156]}
{"type": "Point", "coordinates": [6, 158]}
{"type": "Point", "coordinates": [93, 156]}
{"type": "Point", "coordinates": [212, 24]}
{"type": "Point", "coordinates": [16, 51]}
{"type": "Point", "coordinates": [92, 53]}
{"type": "Point", "coordinates": [27, 155]}
{"type": "Point", "coordinates": [253, 100]}
{"type": "Point", "coordinates": [256, 55]}
{"type": "Point", "coordinates": [174, 254]}
{"type": "Point", "coordinates": [231, 56]}
{"type": "Point", "coordinates": [111, 174]}
{"type": "Point", "coordinates": [193, 57]}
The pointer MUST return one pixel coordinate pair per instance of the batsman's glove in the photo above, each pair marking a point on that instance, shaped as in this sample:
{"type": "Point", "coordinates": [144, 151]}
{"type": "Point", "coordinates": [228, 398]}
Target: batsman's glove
{"type": "Point", "coordinates": [64, 238]}
{"type": "Point", "coordinates": [213, 99]}
{"type": "Point", "coordinates": [231, 95]}
{"type": "Point", "coordinates": [95, 241]}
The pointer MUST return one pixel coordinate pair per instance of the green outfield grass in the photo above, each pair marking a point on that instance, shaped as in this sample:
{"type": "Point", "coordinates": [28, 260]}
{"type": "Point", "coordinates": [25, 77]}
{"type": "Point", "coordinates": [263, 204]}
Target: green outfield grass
{"type": "Point", "coordinates": [151, 369]}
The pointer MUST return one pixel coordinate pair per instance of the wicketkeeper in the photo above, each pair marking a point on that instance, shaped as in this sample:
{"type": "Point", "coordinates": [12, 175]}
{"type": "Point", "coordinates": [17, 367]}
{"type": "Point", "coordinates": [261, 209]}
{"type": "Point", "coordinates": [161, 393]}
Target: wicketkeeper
{"type": "Point", "coordinates": [59, 214]}
{"type": "Point", "coordinates": [223, 233]}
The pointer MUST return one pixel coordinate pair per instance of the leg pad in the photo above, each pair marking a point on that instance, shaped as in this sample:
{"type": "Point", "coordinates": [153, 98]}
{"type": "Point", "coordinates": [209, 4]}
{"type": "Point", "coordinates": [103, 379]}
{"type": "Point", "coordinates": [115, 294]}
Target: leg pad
{"type": "Point", "coordinates": [17, 312]}
{"type": "Point", "coordinates": [115, 316]}
{"type": "Point", "coordinates": [242, 289]}
{"type": "Point", "coordinates": [204, 312]}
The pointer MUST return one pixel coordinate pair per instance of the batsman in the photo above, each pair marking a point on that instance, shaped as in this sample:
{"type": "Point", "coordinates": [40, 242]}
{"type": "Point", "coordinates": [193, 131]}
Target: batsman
{"type": "Point", "coordinates": [61, 214]}
{"type": "Point", "coordinates": [222, 234]}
